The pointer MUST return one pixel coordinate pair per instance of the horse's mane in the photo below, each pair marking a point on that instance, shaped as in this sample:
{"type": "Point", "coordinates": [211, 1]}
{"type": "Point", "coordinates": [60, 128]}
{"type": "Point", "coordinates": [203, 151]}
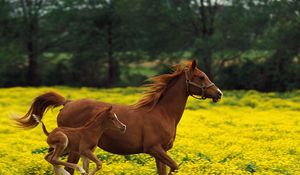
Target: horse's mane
{"type": "Point", "coordinates": [158, 85]}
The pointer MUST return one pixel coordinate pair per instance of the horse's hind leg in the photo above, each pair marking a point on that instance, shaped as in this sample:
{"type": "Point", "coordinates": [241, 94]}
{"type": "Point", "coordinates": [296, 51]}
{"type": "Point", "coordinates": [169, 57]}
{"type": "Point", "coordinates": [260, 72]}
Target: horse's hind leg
{"type": "Point", "coordinates": [59, 142]}
{"type": "Point", "coordinates": [56, 168]}
{"type": "Point", "coordinates": [55, 160]}
{"type": "Point", "coordinates": [60, 171]}
{"type": "Point", "coordinates": [63, 171]}
{"type": "Point", "coordinates": [85, 162]}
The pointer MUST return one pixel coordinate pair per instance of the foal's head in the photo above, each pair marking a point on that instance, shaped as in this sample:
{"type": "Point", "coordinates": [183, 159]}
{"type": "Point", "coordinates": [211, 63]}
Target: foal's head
{"type": "Point", "coordinates": [111, 121]}
{"type": "Point", "coordinates": [199, 84]}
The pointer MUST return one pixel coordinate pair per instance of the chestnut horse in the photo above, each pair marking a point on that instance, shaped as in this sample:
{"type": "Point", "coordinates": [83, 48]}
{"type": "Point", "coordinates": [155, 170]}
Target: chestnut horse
{"type": "Point", "coordinates": [151, 122]}
{"type": "Point", "coordinates": [82, 140]}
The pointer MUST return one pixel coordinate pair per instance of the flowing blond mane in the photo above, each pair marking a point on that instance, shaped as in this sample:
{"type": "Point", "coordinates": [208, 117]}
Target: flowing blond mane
{"type": "Point", "coordinates": [159, 84]}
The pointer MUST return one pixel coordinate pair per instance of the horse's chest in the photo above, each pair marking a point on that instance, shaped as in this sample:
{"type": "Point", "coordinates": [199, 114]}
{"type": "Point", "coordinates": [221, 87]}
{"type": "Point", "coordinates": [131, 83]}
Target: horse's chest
{"type": "Point", "coordinates": [168, 138]}
{"type": "Point", "coordinates": [169, 144]}
{"type": "Point", "coordinates": [162, 132]}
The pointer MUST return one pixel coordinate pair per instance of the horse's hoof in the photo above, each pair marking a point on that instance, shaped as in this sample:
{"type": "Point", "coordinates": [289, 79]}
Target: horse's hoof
{"type": "Point", "coordinates": [82, 171]}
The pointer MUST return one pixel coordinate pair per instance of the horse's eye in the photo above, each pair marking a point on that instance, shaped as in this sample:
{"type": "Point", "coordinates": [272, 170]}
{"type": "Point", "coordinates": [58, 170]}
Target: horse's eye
{"type": "Point", "coordinates": [202, 78]}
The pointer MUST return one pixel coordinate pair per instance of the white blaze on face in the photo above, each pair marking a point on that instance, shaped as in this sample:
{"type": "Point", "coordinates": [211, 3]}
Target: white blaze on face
{"type": "Point", "coordinates": [219, 91]}
{"type": "Point", "coordinates": [116, 116]}
{"type": "Point", "coordinates": [119, 121]}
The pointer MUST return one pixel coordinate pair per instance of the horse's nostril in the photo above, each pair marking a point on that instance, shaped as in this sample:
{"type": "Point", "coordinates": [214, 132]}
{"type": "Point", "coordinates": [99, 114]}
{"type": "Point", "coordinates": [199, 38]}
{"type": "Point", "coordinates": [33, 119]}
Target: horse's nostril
{"type": "Point", "coordinates": [123, 127]}
{"type": "Point", "coordinates": [220, 94]}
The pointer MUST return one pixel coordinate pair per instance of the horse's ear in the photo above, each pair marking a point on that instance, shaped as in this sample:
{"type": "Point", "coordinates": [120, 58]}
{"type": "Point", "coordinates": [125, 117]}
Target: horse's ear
{"type": "Point", "coordinates": [193, 65]}
{"type": "Point", "coordinates": [104, 110]}
{"type": "Point", "coordinates": [109, 108]}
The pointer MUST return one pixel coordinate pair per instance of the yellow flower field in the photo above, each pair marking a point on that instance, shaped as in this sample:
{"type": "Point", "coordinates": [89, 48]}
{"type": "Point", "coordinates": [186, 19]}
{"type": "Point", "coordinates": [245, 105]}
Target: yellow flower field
{"type": "Point", "coordinates": [246, 132]}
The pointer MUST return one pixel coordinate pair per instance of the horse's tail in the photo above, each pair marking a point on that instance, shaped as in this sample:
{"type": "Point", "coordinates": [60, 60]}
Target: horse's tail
{"type": "Point", "coordinates": [37, 119]}
{"type": "Point", "coordinates": [38, 107]}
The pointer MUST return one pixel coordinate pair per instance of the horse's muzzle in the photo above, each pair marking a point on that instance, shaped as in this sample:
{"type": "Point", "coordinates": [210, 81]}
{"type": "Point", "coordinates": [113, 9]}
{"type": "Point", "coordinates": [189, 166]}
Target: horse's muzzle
{"type": "Point", "coordinates": [123, 128]}
{"type": "Point", "coordinates": [218, 96]}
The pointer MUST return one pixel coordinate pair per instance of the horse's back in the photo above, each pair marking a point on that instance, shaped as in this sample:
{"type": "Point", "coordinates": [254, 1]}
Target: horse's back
{"type": "Point", "coordinates": [78, 113]}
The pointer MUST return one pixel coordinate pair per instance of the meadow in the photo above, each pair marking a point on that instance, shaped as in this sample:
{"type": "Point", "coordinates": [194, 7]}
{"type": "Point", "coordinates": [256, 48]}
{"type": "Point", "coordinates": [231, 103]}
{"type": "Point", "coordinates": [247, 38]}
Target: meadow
{"type": "Point", "coordinates": [247, 132]}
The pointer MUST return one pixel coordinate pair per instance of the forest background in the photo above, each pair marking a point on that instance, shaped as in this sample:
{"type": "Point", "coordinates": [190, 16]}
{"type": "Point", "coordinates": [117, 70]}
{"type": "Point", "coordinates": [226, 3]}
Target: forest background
{"type": "Point", "coordinates": [240, 44]}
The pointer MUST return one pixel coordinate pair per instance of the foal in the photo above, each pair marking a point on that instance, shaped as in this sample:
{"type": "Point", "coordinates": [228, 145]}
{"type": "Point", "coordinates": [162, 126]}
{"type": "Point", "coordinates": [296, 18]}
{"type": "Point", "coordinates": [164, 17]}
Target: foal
{"type": "Point", "coordinates": [81, 140]}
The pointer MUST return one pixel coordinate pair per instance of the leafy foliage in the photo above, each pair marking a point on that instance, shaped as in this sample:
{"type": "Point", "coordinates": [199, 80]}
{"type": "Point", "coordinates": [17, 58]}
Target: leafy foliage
{"type": "Point", "coordinates": [240, 44]}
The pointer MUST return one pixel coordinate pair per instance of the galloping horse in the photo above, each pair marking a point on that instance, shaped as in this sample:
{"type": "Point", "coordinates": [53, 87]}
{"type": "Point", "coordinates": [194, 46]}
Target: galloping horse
{"type": "Point", "coordinates": [151, 122]}
{"type": "Point", "coordinates": [82, 140]}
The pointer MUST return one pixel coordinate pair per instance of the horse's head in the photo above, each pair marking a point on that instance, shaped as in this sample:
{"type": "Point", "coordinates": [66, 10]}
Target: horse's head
{"type": "Point", "coordinates": [111, 121]}
{"type": "Point", "coordinates": [198, 83]}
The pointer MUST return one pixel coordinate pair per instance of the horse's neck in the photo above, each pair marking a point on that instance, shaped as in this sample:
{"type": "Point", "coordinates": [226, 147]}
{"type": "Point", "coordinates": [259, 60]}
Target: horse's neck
{"type": "Point", "coordinates": [174, 99]}
{"type": "Point", "coordinates": [94, 128]}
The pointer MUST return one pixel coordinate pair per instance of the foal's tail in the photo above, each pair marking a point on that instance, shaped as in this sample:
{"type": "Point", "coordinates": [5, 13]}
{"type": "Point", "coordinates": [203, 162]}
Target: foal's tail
{"type": "Point", "coordinates": [39, 106]}
{"type": "Point", "coordinates": [37, 119]}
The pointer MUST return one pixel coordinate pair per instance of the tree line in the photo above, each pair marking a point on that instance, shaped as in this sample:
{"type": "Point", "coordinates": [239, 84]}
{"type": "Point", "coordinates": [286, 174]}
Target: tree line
{"type": "Point", "coordinates": [240, 44]}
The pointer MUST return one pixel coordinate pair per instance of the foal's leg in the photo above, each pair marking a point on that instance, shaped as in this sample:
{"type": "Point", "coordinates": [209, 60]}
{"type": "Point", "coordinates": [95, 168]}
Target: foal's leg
{"type": "Point", "coordinates": [85, 162]}
{"type": "Point", "coordinates": [64, 172]}
{"type": "Point", "coordinates": [56, 168]}
{"type": "Point", "coordinates": [54, 160]}
{"type": "Point", "coordinates": [161, 167]}
{"type": "Point", "coordinates": [159, 153]}
{"type": "Point", "coordinates": [72, 158]}
{"type": "Point", "coordinates": [90, 155]}
{"type": "Point", "coordinates": [59, 170]}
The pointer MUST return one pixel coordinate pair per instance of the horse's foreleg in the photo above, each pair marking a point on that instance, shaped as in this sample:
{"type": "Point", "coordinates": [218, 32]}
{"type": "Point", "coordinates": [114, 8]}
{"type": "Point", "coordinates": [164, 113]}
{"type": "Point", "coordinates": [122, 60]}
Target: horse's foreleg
{"type": "Point", "coordinates": [161, 167]}
{"type": "Point", "coordinates": [90, 155]}
{"type": "Point", "coordinates": [160, 154]}
{"type": "Point", "coordinates": [72, 158]}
